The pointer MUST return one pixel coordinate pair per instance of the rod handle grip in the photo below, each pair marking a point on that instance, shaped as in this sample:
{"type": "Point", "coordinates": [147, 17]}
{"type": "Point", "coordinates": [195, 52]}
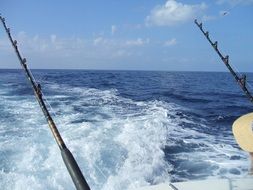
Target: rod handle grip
{"type": "Point", "coordinates": [74, 170]}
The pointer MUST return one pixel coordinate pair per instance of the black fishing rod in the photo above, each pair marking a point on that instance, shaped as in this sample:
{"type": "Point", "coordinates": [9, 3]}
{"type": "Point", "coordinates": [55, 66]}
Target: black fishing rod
{"type": "Point", "coordinates": [241, 80]}
{"type": "Point", "coordinates": [69, 160]}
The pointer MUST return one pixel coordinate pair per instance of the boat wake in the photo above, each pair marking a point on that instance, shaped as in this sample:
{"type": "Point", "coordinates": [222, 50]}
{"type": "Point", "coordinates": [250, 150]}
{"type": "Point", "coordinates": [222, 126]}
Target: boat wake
{"type": "Point", "coordinates": [118, 142]}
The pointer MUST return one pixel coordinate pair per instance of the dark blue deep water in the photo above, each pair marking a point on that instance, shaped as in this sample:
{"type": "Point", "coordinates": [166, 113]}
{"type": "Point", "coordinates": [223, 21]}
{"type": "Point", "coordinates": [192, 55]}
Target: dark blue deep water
{"type": "Point", "coordinates": [127, 129]}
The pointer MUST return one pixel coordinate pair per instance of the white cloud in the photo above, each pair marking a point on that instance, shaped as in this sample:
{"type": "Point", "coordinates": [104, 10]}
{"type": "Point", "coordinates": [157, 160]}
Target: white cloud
{"type": "Point", "coordinates": [99, 41]}
{"type": "Point", "coordinates": [74, 50]}
{"type": "Point", "coordinates": [54, 44]}
{"type": "Point", "coordinates": [113, 29]}
{"type": "Point", "coordinates": [53, 38]}
{"type": "Point", "coordinates": [21, 35]}
{"type": "Point", "coordinates": [137, 42]}
{"type": "Point", "coordinates": [50, 44]}
{"type": "Point", "coordinates": [5, 44]}
{"type": "Point", "coordinates": [173, 13]}
{"type": "Point", "coordinates": [171, 42]}
{"type": "Point", "coordinates": [236, 2]}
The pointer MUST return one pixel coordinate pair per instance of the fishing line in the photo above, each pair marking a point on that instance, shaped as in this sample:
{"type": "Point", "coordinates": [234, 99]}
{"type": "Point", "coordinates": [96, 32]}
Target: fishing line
{"type": "Point", "coordinates": [248, 84]}
{"type": "Point", "coordinates": [44, 96]}
{"type": "Point", "coordinates": [223, 14]}
{"type": "Point", "coordinates": [241, 79]}
{"type": "Point", "coordinates": [54, 113]}
{"type": "Point", "coordinates": [69, 161]}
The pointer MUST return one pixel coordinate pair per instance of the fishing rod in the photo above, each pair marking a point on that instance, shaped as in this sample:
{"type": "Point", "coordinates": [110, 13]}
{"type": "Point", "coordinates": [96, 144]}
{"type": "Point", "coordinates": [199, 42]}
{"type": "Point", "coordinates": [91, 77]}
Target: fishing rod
{"type": "Point", "coordinates": [69, 160]}
{"type": "Point", "coordinates": [241, 80]}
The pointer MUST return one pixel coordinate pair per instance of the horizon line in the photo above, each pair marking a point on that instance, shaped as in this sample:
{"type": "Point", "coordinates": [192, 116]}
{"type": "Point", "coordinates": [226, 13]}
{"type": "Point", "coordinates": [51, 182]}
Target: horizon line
{"type": "Point", "coordinates": [82, 69]}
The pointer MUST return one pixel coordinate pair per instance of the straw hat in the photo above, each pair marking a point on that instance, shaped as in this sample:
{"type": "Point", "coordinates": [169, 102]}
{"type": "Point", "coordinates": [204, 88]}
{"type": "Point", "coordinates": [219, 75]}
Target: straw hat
{"type": "Point", "coordinates": [242, 130]}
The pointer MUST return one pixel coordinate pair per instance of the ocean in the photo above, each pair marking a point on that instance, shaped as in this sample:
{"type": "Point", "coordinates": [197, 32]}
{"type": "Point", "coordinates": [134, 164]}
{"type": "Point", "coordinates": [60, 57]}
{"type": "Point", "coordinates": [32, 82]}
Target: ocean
{"type": "Point", "coordinates": [126, 129]}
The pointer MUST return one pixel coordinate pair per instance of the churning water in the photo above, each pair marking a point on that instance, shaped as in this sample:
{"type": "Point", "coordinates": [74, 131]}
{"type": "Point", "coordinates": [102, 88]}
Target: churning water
{"type": "Point", "coordinates": [126, 129]}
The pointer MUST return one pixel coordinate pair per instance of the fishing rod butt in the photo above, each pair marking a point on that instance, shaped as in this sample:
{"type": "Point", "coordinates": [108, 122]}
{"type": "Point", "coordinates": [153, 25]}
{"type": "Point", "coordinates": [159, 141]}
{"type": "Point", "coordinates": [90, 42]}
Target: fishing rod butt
{"type": "Point", "coordinates": [74, 170]}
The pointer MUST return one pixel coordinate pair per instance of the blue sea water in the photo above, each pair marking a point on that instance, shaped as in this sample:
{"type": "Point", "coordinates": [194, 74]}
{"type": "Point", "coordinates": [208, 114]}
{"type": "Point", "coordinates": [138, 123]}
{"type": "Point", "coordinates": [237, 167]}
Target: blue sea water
{"type": "Point", "coordinates": [127, 129]}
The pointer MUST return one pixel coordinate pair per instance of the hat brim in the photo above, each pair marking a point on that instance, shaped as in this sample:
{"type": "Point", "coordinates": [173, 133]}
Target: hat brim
{"type": "Point", "coordinates": [242, 130]}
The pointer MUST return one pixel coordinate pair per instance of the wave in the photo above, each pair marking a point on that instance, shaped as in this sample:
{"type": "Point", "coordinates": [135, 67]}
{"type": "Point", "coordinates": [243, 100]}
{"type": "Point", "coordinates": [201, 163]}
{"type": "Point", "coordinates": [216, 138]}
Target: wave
{"type": "Point", "coordinates": [119, 143]}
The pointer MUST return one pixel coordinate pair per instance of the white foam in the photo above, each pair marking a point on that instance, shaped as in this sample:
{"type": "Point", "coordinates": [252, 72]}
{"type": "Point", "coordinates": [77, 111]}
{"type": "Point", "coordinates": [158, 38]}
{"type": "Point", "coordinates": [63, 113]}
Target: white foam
{"type": "Point", "coordinates": [117, 142]}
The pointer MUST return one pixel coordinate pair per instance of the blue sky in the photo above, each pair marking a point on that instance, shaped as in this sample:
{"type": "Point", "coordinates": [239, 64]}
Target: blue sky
{"type": "Point", "coordinates": [128, 35]}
